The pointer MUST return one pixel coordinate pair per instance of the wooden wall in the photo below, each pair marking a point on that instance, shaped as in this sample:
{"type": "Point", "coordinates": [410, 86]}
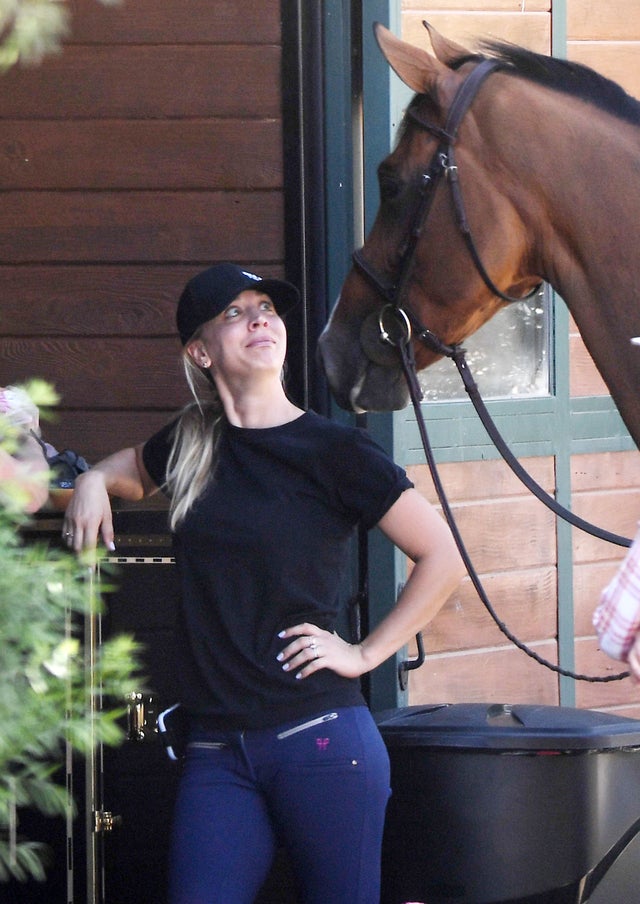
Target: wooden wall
{"type": "Point", "coordinates": [605, 34]}
{"type": "Point", "coordinates": [528, 23]}
{"type": "Point", "coordinates": [149, 149]}
{"type": "Point", "coordinates": [511, 540]}
{"type": "Point", "coordinates": [511, 537]}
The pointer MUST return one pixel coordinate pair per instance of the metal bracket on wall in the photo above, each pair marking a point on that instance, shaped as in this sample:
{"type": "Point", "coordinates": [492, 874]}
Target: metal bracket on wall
{"type": "Point", "coordinates": [407, 665]}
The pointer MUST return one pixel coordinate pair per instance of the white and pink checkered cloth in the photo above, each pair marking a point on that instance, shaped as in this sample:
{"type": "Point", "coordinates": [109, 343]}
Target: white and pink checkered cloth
{"type": "Point", "coordinates": [617, 618]}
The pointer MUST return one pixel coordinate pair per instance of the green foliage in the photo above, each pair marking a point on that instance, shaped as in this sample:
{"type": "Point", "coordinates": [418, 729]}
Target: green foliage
{"type": "Point", "coordinates": [55, 695]}
{"type": "Point", "coordinates": [31, 29]}
{"type": "Point", "coordinates": [41, 393]}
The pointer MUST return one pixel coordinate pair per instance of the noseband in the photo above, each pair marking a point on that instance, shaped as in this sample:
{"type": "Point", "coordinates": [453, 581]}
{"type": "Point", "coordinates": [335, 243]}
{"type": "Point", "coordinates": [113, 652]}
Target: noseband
{"type": "Point", "coordinates": [442, 164]}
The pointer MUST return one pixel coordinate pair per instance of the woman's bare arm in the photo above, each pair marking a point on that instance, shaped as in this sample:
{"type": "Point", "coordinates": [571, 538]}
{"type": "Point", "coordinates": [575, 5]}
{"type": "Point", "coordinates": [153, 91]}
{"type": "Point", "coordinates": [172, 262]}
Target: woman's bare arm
{"type": "Point", "coordinates": [88, 514]}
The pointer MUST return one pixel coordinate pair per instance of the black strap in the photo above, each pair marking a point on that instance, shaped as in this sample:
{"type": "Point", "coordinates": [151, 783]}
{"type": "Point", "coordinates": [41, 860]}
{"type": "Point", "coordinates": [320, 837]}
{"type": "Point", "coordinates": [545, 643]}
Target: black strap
{"type": "Point", "coordinates": [447, 161]}
{"type": "Point", "coordinates": [446, 509]}
{"type": "Point", "coordinates": [551, 503]}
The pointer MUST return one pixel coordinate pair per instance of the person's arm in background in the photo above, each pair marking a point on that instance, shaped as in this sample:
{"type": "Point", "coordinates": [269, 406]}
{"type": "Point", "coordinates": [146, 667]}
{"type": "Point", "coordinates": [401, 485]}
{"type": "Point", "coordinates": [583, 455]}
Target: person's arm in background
{"type": "Point", "coordinates": [88, 514]}
{"type": "Point", "coordinates": [24, 472]}
{"type": "Point", "coordinates": [24, 476]}
{"type": "Point", "coordinates": [634, 660]}
{"type": "Point", "coordinates": [617, 618]}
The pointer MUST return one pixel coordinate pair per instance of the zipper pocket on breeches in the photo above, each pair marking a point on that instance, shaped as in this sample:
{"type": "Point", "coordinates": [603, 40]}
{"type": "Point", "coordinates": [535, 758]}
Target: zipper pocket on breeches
{"type": "Point", "coordinates": [327, 717]}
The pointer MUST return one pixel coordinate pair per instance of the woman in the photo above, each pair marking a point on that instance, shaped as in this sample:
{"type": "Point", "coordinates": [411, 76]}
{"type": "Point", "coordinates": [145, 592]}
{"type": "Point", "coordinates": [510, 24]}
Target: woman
{"type": "Point", "coordinates": [264, 501]}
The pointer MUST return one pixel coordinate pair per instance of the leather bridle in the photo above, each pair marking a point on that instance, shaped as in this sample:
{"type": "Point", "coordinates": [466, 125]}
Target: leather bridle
{"type": "Point", "coordinates": [398, 330]}
{"type": "Point", "coordinates": [442, 166]}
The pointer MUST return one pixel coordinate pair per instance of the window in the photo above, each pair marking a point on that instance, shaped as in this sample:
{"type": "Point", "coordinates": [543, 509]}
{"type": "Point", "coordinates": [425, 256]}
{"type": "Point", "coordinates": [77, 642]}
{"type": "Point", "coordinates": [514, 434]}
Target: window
{"type": "Point", "coordinates": [508, 357]}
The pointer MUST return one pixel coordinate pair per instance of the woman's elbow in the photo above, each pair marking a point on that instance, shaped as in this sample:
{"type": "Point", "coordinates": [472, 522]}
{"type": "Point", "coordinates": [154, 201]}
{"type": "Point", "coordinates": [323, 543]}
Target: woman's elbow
{"type": "Point", "coordinates": [450, 561]}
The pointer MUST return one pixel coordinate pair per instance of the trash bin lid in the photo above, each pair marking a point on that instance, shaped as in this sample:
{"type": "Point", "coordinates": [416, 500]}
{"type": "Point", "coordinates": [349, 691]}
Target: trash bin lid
{"type": "Point", "coordinates": [491, 726]}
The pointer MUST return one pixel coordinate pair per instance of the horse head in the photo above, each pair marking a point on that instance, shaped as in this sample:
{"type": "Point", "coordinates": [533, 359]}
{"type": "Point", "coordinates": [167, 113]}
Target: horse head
{"type": "Point", "coordinates": [415, 249]}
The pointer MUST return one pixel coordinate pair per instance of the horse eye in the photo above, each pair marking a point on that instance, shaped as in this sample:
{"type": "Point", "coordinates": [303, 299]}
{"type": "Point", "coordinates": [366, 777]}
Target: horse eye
{"type": "Point", "coordinates": [390, 186]}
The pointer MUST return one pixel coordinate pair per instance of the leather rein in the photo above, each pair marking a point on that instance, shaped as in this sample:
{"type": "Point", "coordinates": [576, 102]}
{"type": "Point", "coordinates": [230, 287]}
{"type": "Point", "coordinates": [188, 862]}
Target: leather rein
{"type": "Point", "coordinates": [397, 324]}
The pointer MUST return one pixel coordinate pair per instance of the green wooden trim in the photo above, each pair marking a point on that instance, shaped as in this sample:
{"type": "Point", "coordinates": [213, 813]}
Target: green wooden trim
{"type": "Point", "coordinates": [531, 427]}
{"type": "Point", "coordinates": [559, 28]}
{"type": "Point", "coordinates": [457, 434]}
{"type": "Point", "coordinates": [376, 100]}
{"type": "Point", "coordinates": [564, 549]}
{"type": "Point", "coordinates": [596, 426]}
{"type": "Point", "coordinates": [339, 188]}
{"type": "Point", "coordinates": [351, 202]}
{"type": "Point", "coordinates": [386, 565]}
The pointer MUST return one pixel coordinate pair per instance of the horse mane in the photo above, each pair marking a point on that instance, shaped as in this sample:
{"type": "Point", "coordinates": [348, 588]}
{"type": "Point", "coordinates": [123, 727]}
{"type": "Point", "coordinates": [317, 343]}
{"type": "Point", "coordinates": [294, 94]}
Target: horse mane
{"type": "Point", "coordinates": [571, 78]}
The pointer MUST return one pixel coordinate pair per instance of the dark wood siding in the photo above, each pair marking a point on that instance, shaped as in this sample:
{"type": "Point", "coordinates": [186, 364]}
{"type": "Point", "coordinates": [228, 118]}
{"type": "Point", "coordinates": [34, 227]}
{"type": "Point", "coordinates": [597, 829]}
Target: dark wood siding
{"type": "Point", "coordinates": [150, 148]}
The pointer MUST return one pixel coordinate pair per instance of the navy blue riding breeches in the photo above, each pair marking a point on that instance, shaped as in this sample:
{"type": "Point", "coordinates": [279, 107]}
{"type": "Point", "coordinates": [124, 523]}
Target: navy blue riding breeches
{"type": "Point", "coordinates": [317, 787]}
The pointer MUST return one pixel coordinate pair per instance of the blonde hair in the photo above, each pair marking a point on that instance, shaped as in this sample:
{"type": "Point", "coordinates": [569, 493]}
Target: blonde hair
{"type": "Point", "coordinates": [193, 455]}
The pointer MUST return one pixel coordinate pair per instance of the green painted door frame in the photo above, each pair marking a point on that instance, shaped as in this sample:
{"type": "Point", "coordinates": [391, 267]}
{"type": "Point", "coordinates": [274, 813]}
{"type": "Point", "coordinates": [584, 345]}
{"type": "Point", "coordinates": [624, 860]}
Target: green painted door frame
{"type": "Point", "coordinates": [359, 133]}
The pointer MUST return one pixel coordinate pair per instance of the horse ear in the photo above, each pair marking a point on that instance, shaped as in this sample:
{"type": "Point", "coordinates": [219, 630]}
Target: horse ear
{"type": "Point", "coordinates": [417, 68]}
{"type": "Point", "coordinates": [445, 49]}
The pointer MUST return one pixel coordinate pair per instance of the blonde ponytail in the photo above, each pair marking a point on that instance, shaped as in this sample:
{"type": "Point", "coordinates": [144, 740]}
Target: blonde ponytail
{"type": "Point", "coordinates": [193, 455]}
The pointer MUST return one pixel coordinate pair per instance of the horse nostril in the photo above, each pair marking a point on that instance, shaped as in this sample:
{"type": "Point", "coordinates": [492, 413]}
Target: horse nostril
{"type": "Point", "coordinates": [373, 345]}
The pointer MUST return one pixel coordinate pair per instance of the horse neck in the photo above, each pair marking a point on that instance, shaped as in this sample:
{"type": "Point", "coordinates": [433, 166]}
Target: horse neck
{"type": "Point", "coordinates": [573, 177]}
{"type": "Point", "coordinates": [573, 172]}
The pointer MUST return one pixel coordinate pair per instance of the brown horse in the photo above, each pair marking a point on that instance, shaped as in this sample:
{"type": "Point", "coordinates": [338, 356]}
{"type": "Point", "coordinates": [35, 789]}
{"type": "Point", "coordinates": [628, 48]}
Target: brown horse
{"type": "Point", "coordinates": [548, 167]}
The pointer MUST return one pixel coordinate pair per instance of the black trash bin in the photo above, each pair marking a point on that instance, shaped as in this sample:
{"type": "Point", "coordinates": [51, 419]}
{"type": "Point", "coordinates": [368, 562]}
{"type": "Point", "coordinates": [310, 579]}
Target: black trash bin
{"type": "Point", "coordinates": [511, 803]}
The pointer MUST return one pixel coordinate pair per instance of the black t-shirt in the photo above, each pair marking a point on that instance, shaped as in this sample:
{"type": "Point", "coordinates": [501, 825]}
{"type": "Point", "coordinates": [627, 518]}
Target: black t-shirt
{"type": "Point", "coordinates": [265, 547]}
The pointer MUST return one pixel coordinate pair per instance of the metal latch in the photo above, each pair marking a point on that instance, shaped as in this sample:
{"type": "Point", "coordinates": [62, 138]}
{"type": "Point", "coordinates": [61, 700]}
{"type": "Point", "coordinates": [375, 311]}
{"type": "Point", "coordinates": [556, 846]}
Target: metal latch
{"type": "Point", "coordinates": [141, 716]}
{"type": "Point", "coordinates": [105, 821]}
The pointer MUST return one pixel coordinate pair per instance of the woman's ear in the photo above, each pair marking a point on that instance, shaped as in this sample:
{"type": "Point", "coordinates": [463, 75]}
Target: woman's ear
{"type": "Point", "coordinates": [197, 351]}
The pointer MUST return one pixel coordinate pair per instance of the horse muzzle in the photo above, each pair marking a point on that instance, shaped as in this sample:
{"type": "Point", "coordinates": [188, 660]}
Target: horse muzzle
{"type": "Point", "coordinates": [363, 370]}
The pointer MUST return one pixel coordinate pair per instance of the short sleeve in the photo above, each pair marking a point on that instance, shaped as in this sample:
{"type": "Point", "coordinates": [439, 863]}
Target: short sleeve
{"type": "Point", "coordinates": [370, 481]}
{"type": "Point", "coordinates": [155, 454]}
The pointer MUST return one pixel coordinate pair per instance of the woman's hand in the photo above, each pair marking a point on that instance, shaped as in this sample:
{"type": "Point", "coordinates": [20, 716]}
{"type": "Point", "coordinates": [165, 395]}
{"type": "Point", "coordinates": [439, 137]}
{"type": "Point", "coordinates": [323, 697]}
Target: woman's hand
{"type": "Point", "coordinates": [313, 649]}
{"type": "Point", "coordinates": [634, 660]}
{"type": "Point", "coordinates": [88, 514]}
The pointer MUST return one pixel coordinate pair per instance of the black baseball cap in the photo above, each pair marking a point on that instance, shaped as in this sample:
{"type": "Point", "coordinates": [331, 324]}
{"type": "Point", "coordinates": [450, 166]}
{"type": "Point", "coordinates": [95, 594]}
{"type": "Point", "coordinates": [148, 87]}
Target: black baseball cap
{"type": "Point", "coordinates": [210, 292]}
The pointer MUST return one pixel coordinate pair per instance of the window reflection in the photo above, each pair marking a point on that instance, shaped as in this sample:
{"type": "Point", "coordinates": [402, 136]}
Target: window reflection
{"type": "Point", "coordinates": [508, 357]}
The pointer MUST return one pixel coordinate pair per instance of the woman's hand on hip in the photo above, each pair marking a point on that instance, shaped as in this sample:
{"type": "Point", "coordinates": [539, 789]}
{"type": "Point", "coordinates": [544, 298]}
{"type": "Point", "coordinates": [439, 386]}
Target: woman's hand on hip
{"type": "Point", "coordinates": [312, 649]}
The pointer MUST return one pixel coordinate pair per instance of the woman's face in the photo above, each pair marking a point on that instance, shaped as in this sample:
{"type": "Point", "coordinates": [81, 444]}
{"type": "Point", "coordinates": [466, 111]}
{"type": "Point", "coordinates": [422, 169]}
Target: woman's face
{"type": "Point", "coordinates": [247, 337]}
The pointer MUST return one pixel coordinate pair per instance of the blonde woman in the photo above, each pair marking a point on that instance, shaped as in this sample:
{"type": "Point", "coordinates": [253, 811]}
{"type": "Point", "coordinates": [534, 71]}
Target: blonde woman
{"type": "Point", "coordinates": [265, 498]}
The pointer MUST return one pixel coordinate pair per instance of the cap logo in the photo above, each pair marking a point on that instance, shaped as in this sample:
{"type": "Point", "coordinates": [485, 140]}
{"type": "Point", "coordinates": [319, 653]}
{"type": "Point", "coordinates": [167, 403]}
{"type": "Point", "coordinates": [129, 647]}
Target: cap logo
{"type": "Point", "coordinates": [251, 275]}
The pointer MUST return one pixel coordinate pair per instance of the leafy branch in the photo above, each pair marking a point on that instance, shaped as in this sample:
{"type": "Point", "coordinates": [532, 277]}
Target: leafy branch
{"type": "Point", "coordinates": [31, 29]}
{"type": "Point", "coordinates": [49, 702]}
